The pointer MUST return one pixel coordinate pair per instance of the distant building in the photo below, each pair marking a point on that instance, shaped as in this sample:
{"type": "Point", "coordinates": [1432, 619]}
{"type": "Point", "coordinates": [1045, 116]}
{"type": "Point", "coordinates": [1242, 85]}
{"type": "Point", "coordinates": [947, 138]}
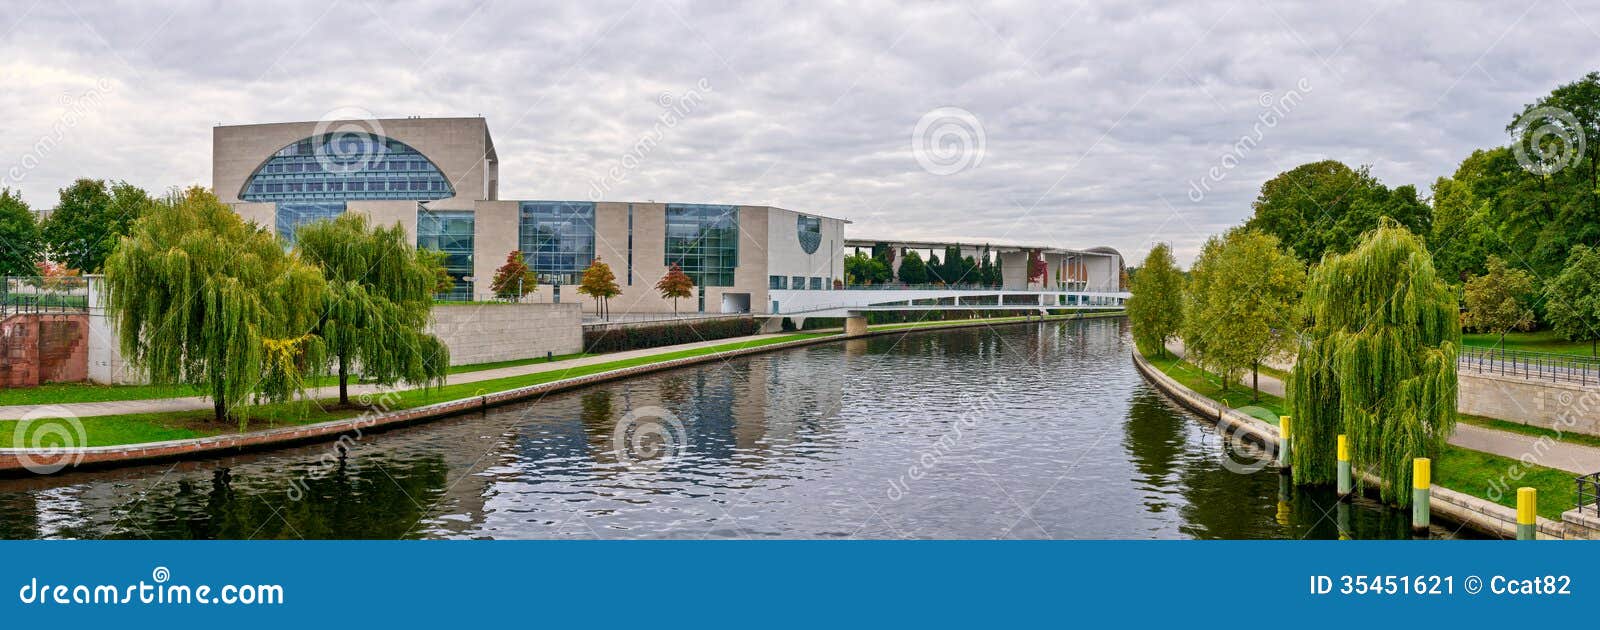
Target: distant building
{"type": "Point", "coordinates": [439, 178]}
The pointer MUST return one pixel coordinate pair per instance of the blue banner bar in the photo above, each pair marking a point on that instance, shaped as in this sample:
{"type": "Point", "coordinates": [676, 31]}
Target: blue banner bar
{"type": "Point", "coordinates": [778, 583]}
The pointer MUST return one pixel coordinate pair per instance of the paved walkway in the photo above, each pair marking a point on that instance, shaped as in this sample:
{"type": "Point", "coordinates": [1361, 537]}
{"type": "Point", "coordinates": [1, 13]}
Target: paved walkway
{"type": "Point", "coordinates": [1573, 458]}
{"type": "Point", "coordinates": [195, 403]}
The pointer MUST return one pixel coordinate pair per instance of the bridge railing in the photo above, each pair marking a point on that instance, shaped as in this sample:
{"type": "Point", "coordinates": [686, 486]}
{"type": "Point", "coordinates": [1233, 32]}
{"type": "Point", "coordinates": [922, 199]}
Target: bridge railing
{"type": "Point", "coordinates": [1538, 366]}
{"type": "Point", "coordinates": [901, 286]}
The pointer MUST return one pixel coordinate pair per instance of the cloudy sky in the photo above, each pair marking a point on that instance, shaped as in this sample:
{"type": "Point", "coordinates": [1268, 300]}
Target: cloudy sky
{"type": "Point", "coordinates": [1051, 122]}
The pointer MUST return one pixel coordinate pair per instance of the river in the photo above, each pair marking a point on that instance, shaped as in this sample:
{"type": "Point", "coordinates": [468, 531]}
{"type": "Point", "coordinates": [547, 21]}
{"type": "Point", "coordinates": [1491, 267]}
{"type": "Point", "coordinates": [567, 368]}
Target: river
{"type": "Point", "coordinates": [1019, 431]}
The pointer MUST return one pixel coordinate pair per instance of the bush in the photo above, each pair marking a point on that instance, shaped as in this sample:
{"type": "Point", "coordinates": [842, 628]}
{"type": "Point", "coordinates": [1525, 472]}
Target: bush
{"type": "Point", "coordinates": [618, 339]}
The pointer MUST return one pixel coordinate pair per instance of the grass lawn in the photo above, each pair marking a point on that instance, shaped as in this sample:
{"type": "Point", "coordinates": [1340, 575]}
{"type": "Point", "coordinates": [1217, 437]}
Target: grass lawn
{"type": "Point", "coordinates": [1516, 427]}
{"type": "Point", "coordinates": [479, 367]}
{"type": "Point", "coordinates": [155, 427]}
{"type": "Point", "coordinates": [1479, 474]}
{"type": "Point", "coordinates": [1209, 385]}
{"type": "Point", "coordinates": [1536, 341]}
{"type": "Point", "coordinates": [63, 393]}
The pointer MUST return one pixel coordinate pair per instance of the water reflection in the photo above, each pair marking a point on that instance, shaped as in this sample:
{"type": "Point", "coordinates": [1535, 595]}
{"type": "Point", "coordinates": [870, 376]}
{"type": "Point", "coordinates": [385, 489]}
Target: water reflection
{"type": "Point", "coordinates": [1030, 431]}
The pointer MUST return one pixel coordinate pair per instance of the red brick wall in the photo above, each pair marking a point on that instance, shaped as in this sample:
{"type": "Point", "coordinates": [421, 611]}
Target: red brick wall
{"type": "Point", "coordinates": [44, 348]}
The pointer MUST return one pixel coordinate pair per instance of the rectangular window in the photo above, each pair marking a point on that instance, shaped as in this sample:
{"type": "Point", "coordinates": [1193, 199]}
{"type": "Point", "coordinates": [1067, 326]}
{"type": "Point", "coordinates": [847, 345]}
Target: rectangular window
{"type": "Point", "coordinates": [798, 282]}
{"type": "Point", "coordinates": [816, 283]}
{"type": "Point", "coordinates": [293, 215]}
{"type": "Point", "coordinates": [557, 239]}
{"type": "Point", "coordinates": [777, 282]}
{"type": "Point", "coordinates": [450, 232]}
{"type": "Point", "coordinates": [703, 240]}
{"type": "Point", "coordinates": [356, 186]}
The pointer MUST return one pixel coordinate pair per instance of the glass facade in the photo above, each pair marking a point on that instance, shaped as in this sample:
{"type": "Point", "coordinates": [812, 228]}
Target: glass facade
{"type": "Point", "coordinates": [557, 239]}
{"type": "Point", "coordinates": [451, 232]}
{"type": "Point", "coordinates": [290, 216]}
{"type": "Point", "coordinates": [341, 166]}
{"type": "Point", "coordinates": [810, 229]}
{"type": "Point", "coordinates": [704, 241]}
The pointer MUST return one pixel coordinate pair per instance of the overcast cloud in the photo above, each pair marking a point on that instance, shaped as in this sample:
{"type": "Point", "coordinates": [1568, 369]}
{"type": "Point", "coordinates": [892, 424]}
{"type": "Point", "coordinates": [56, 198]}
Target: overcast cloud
{"type": "Point", "coordinates": [1096, 120]}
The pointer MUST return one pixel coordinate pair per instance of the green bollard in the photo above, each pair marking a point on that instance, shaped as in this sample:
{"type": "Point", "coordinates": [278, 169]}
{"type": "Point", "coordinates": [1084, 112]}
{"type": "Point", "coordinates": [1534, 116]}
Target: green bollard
{"type": "Point", "coordinates": [1527, 514]}
{"type": "Point", "coordinates": [1421, 483]}
{"type": "Point", "coordinates": [1345, 485]}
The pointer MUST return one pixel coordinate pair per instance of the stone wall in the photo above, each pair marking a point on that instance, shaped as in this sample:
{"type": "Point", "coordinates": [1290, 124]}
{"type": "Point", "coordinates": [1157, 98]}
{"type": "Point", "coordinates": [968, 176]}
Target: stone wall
{"type": "Point", "coordinates": [1566, 407]}
{"type": "Point", "coordinates": [39, 348]}
{"type": "Point", "coordinates": [484, 333]}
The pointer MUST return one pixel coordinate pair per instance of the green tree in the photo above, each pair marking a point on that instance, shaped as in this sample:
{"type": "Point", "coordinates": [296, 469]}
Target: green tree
{"type": "Point", "coordinates": [1325, 207]}
{"type": "Point", "coordinates": [864, 269]}
{"type": "Point", "coordinates": [1155, 311]}
{"type": "Point", "coordinates": [378, 302]}
{"type": "Point", "coordinates": [20, 244]}
{"type": "Point", "coordinates": [913, 270]}
{"type": "Point", "coordinates": [1572, 298]}
{"type": "Point", "coordinates": [1243, 304]}
{"type": "Point", "coordinates": [200, 297]}
{"type": "Point", "coordinates": [1497, 301]}
{"type": "Point", "coordinates": [1378, 362]}
{"type": "Point", "coordinates": [599, 283]}
{"type": "Point", "coordinates": [1462, 236]}
{"type": "Point", "coordinates": [514, 279]}
{"type": "Point", "coordinates": [675, 285]}
{"type": "Point", "coordinates": [90, 219]}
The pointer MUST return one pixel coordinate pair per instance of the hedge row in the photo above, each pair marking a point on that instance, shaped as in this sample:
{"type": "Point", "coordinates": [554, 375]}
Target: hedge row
{"type": "Point", "coordinates": [617, 339]}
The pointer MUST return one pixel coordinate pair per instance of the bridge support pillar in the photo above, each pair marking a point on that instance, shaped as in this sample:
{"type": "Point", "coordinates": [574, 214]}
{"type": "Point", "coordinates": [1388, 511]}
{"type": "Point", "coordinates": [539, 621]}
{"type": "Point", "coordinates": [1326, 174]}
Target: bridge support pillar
{"type": "Point", "coordinates": [772, 325]}
{"type": "Point", "coordinates": [855, 325]}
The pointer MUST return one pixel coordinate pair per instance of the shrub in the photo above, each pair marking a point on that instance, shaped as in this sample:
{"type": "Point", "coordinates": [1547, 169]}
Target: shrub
{"type": "Point", "coordinates": [618, 339]}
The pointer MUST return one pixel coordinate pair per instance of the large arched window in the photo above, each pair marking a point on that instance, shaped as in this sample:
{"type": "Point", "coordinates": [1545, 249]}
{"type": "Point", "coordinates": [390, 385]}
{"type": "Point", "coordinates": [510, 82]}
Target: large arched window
{"type": "Point", "coordinates": [344, 166]}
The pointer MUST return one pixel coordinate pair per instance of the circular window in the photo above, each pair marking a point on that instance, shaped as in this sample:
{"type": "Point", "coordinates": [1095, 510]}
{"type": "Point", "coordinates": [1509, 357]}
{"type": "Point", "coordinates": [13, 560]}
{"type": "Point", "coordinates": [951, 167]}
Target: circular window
{"type": "Point", "coordinates": [810, 229]}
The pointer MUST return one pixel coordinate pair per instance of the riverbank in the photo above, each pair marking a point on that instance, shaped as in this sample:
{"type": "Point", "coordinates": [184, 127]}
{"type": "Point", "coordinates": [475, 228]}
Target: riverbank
{"type": "Point", "coordinates": [114, 440]}
{"type": "Point", "coordinates": [1471, 510]}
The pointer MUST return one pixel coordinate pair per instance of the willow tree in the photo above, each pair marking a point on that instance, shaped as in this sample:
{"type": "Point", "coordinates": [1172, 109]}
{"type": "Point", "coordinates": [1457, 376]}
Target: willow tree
{"type": "Point", "coordinates": [1156, 308]}
{"type": "Point", "coordinates": [202, 298]}
{"type": "Point", "coordinates": [378, 303]}
{"type": "Point", "coordinates": [1378, 362]}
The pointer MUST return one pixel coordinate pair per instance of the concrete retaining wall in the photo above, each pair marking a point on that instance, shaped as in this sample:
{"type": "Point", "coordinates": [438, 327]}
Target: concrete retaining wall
{"type": "Point", "coordinates": [486, 333]}
{"type": "Point", "coordinates": [1232, 422]}
{"type": "Point", "coordinates": [1566, 407]}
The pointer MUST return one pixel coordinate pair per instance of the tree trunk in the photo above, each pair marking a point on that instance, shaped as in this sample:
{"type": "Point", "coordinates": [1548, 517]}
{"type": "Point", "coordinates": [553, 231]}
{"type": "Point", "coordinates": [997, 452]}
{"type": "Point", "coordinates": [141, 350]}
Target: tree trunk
{"type": "Point", "coordinates": [217, 408]}
{"type": "Point", "coordinates": [1255, 381]}
{"type": "Point", "coordinates": [344, 380]}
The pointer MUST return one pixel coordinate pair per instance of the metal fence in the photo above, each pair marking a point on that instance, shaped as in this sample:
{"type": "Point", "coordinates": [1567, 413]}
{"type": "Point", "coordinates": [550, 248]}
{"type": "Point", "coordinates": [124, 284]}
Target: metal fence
{"type": "Point", "coordinates": [1538, 366]}
{"type": "Point", "coordinates": [1589, 492]}
{"type": "Point", "coordinates": [36, 294]}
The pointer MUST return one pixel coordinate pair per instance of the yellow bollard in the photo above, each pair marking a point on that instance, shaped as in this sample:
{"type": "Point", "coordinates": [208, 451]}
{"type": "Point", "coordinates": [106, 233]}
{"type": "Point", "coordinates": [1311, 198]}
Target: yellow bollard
{"type": "Point", "coordinates": [1285, 443]}
{"type": "Point", "coordinates": [1527, 513]}
{"type": "Point", "coordinates": [1345, 485]}
{"type": "Point", "coordinates": [1421, 484]}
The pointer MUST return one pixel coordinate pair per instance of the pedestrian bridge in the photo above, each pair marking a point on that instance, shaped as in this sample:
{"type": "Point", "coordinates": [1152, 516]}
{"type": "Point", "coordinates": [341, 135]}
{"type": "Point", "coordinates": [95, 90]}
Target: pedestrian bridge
{"type": "Point", "coordinates": [801, 305]}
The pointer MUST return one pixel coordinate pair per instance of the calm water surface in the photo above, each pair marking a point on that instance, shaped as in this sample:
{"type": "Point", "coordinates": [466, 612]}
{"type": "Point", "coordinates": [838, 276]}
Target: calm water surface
{"type": "Point", "coordinates": [1032, 431]}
